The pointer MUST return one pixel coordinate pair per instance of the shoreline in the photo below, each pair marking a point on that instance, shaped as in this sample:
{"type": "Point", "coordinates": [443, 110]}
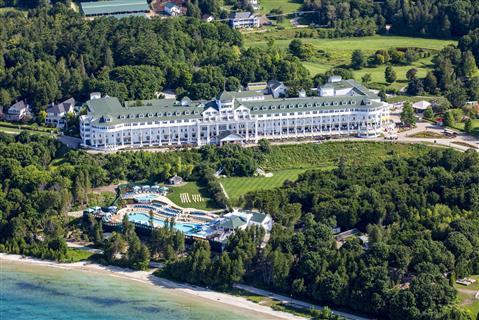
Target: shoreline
{"type": "Point", "coordinates": [147, 278]}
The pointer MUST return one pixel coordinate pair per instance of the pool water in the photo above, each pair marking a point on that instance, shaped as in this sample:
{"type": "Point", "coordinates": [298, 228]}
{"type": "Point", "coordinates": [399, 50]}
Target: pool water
{"type": "Point", "coordinates": [144, 218]}
{"type": "Point", "coordinates": [146, 197]}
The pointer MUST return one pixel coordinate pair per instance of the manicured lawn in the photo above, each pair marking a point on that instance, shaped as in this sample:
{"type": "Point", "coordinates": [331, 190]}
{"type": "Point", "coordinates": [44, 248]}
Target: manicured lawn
{"type": "Point", "coordinates": [467, 302]}
{"type": "Point", "coordinates": [192, 188]}
{"type": "Point", "coordinates": [75, 255]}
{"type": "Point", "coordinates": [327, 154]}
{"type": "Point", "coordinates": [340, 50]}
{"type": "Point", "coordinates": [427, 135]}
{"type": "Point", "coordinates": [285, 5]}
{"type": "Point", "coordinates": [337, 52]}
{"type": "Point", "coordinates": [239, 186]}
{"type": "Point", "coordinates": [475, 126]}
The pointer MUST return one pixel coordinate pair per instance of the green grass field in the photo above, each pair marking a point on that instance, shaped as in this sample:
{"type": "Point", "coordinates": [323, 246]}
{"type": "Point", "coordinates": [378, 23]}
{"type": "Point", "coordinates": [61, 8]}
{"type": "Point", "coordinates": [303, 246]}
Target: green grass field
{"type": "Point", "coordinates": [466, 300]}
{"type": "Point", "coordinates": [75, 255]}
{"type": "Point", "coordinates": [192, 188]}
{"type": "Point", "coordinates": [475, 126]}
{"type": "Point", "coordinates": [337, 52]}
{"type": "Point", "coordinates": [287, 162]}
{"type": "Point", "coordinates": [327, 154]}
{"type": "Point", "coordinates": [286, 5]}
{"type": "Point", "coordinates": [239, 186]}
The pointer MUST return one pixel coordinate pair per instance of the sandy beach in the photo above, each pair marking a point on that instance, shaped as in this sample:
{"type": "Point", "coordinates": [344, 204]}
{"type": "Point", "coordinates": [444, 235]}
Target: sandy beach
{"type": "Point", "coordinates": [146, 277]}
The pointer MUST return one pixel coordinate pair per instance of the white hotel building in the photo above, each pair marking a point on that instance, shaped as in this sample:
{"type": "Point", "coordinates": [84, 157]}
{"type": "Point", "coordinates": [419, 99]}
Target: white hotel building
{"type": "Point", "coordinates": [342, 107]}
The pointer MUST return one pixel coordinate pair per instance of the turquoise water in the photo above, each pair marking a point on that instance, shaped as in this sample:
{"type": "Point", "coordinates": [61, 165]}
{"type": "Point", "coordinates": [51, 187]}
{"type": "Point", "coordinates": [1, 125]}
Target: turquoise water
{"type": "Point", "coordinates": [146, 197]}
{"type": "Point", "coordinates": [145, 219]}
{"type": "Point", "coordinates": [30, 292]}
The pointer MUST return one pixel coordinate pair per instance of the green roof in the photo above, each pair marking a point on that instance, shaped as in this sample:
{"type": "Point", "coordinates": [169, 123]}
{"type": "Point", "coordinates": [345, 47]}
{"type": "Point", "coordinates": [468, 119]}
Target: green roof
{"type": "Point", "coordinates": [232, 223]}
{"type": "Point", "coordinates": [258, 217]}
{"type": "Point", "coordinates": [114, 7]}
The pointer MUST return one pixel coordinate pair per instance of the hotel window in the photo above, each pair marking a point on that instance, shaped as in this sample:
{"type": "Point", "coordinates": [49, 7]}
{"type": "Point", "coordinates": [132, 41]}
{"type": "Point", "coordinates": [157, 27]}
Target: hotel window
{"type": "Point", "coordinates": [264, 108]}
{"type": "Point", "coordinates": [300, 106]}
{"type": "Point", "coordinates": [273, 107]}
{"type": "Point", "coordinates": [187, 113]}
{"type": "Point", "coordinates": [122, 116]}
{"type": "Point", "coordinates": [309, 105]}
{"type": "Point", "coordinates": [282, 106]}
{"type": "Point", "coordinates": [290, 106]}
{"type": "Point", "coordinates": [169, 114]}
{"type": "Point", "coordinates": [141, 115]}
{"type": "Point", "coordinates": [150, 115]}
{"type": "Point", "coordinates": [132, 116]}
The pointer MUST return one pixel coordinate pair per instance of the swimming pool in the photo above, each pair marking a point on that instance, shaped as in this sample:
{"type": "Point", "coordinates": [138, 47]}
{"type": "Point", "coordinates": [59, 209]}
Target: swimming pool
{"type": "Point", "coordinates": [146, 198]}
{"type": "Point", "coordinates": [143, 218]}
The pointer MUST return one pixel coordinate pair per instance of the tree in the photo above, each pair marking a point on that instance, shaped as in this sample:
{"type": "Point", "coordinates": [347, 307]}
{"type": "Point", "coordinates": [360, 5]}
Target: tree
{"type": "Point", "coordinates": [408, 118]}
{"type": "Point", "coordinates": [449, 119]}
{"type": "Point", "coordinates": [390, 74]}
{"type": "Point", "coordinates": [411, 74]}
{"type": "Point", "coordinates": [469, 66]}
{"type": "Point", "coordinates": [430, 82]}
{"type": "Point", "coordinates": [428, 113]}
{"type": "Point", "coordinates": [468, 126]}
{"type": "Point", "coordinates": [358, 59]}
{"type": "Point", "coordinates": [366, 78]}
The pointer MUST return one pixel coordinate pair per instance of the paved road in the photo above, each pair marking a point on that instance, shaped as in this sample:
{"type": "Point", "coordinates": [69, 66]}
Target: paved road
{"type": "Point", "coordinates": [295, 302]}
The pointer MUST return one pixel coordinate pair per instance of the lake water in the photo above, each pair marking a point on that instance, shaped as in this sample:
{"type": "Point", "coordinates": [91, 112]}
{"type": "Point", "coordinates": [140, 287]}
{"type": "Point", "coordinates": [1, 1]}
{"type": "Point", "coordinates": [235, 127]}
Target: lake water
{"type": "Point", "coordinates": [30, 292]}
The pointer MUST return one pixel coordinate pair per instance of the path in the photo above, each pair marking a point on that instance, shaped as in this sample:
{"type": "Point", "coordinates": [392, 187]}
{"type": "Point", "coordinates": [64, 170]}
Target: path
{"type": "Point", "coordinates": [224, 191]}
{"type": "Point", "coordinates": [295, 302]}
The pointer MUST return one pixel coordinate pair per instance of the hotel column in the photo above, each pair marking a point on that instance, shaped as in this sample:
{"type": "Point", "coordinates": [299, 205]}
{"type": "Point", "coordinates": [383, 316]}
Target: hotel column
{"type": "Point", "coordinates": [207, 134]}
{"type": "Point", "coordinates": [169, 136]}
{"type": "Point", "coordinates": [150, 137]}
{"type": "Point", "coordinates": [178, 130]}
{"type": "Point", "coordinates": [256, 131]}
{"type": "Point", "coordinates": [198, 134]}
{"type": "Point", "coordinates": [122, 138]}
{"type": "Point", "coordinates": [247, 133]}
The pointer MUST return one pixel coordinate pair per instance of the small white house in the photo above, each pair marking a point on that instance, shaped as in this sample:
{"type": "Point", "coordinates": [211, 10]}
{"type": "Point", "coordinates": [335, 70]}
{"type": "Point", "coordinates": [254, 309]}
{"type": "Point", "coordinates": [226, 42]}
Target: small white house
{"type": "Point", "coordinates": [57, 113]}
{"type": "Point", "coordinates": [18, 111]}
{"type": "Point", "coordinates": [277, 88]}
{"type": "Point", "coordinates": [207, 17]}
{"type": "Point", "coordinates": [172, 9]}
{"type": "Point", "coordinates": [246, 19]}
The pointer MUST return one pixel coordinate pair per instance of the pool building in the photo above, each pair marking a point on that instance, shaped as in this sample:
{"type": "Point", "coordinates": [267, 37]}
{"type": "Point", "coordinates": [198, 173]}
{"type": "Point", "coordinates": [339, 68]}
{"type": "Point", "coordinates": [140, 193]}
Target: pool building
{"type": "Point", "coordinates": [147, 208]}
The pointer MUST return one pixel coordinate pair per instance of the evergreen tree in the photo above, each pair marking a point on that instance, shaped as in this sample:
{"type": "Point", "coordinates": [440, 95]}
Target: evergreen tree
{"type": "Point", "coordinates": [408, 118]}
{"type": "Point", "coordinates": [358, 59]}
{"type": "Point", "coordinates": [390, 74]}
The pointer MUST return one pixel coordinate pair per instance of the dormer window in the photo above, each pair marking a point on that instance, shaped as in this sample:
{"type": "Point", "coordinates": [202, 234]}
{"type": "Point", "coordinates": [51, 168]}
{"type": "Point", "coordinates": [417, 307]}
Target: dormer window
{"type": "Point", "coordinates": [197, 112]}
{"type": "Point", "coordinates": [264, 108]}
{"type": "Point", "coordinates": [141, 115]}
{"type": "Point", "coordinates": [168, 114]}
{"type": "Point", "coordinates": [290, 106]}
{"type": "Point", "coordinates": [309, 105]}
{"type": "Point", "coordinates": [353, 102]}
{"type": "Point", "coordinates": [300, 106]}
{"type": "Point", "coordinates": [282, 106]}
{"type": "Point", "coordinates": [335, 103]}
{"type": "Point", "coordinates": [122, 116]}
{"type": "Point", "coordinates": [150, 115]}
{"type": "Point", "coordinates": [132, 116]}
{"type": "Point", "coordinates": [187, 113]}
{"type": "Point", "coordinates": [273, 107]}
